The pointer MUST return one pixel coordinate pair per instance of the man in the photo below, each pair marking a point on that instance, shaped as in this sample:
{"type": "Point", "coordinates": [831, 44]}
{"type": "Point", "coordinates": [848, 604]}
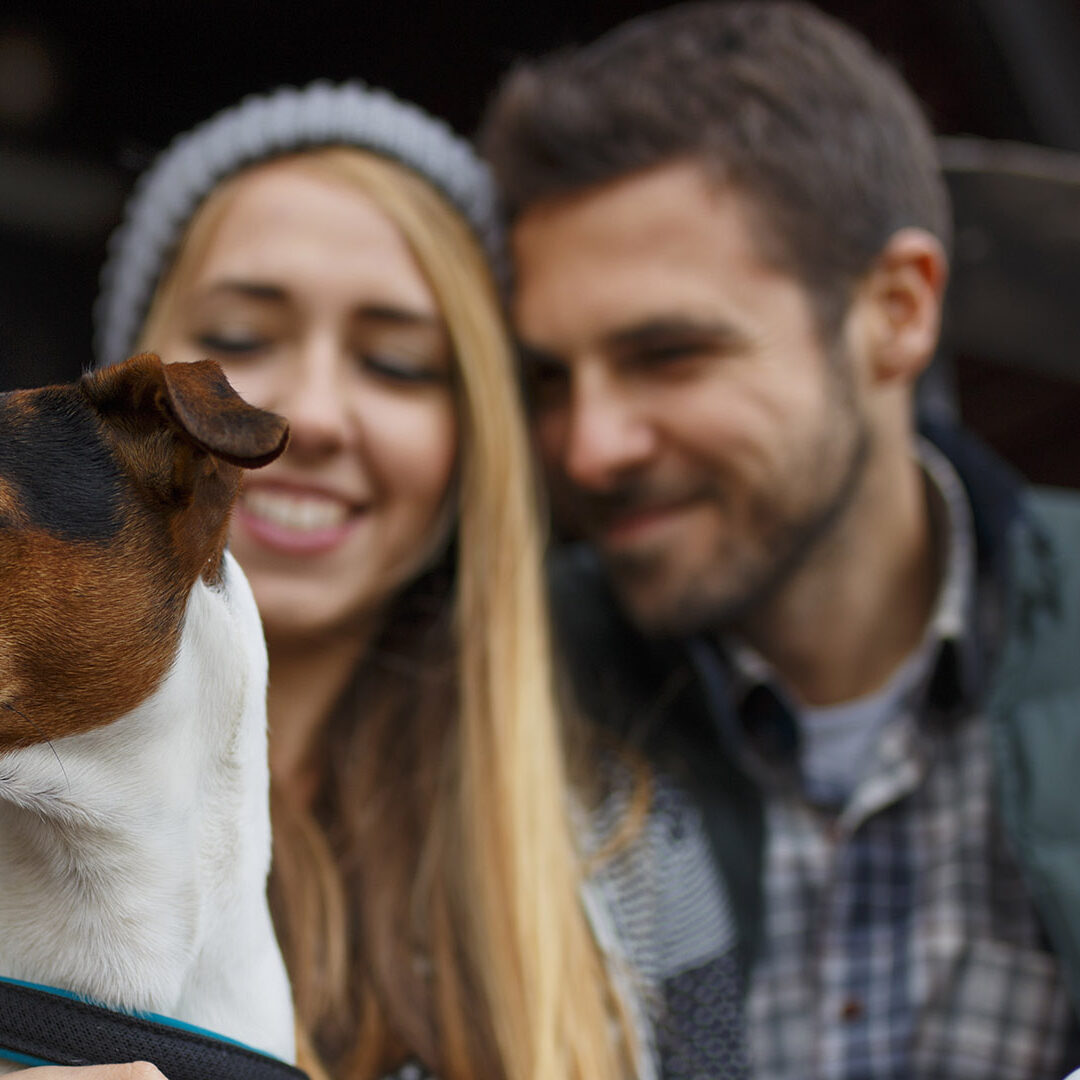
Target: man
{"type": "Point", "coordinates": [852, 646]}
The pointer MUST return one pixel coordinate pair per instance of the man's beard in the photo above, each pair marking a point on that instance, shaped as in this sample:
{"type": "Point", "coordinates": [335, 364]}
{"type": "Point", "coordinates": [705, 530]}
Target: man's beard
{"type": "Point", "coordinates": [777, 544]}
{"type": "Point", "coordinates": [785, 548]}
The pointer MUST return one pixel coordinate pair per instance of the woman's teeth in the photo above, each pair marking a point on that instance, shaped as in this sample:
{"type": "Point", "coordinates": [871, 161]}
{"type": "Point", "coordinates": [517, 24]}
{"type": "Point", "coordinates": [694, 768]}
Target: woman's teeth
{"type": "Point", "coordinates": [304, 513]}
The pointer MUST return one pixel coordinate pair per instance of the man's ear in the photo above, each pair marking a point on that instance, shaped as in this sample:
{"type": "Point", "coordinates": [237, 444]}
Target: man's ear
{"type": "Point", "coordinates": [898, 305]}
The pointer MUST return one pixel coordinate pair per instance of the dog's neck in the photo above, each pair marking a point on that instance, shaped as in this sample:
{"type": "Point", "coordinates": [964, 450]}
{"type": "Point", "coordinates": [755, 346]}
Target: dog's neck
{"type": "Point", "coordinates": [133, 856]}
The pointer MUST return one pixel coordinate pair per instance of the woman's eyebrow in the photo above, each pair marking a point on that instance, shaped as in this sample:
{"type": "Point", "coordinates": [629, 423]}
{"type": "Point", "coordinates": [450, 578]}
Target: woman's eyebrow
{"type": "Point", "coordinates": [397, 316]}
{"type": "Point", "coordinates": [255, 290]}
{"type": "Point", "coordinates": [389, 314]}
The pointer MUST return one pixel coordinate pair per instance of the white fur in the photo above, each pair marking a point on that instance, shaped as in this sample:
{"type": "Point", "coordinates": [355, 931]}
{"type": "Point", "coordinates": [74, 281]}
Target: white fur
{"type": "Point", "coordinates": [133, 858]}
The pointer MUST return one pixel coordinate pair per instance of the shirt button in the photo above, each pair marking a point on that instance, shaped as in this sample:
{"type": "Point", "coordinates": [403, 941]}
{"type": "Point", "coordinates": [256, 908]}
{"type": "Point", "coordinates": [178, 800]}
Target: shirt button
{"type": "Point", "coordinates": [852, 1010]}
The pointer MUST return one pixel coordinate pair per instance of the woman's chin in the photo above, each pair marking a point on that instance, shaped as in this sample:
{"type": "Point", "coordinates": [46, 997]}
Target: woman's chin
{"type": "Point", "coordinates": [298, 620]}
{"type": "Point", "coordinates": [318, 610]}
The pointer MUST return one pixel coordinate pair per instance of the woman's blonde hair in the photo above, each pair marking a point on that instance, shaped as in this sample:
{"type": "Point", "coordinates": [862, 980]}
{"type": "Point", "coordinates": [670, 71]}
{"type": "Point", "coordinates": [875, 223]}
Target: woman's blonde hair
{"type": "Point", "coordinates": [429, 903]}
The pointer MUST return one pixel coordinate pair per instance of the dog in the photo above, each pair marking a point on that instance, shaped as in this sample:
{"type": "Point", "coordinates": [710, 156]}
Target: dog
{"type": "Point", "coordinates": [134, 822]}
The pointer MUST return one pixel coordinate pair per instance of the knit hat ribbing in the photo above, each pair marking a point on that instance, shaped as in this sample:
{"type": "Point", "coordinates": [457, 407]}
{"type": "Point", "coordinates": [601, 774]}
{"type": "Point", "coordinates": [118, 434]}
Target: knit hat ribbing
{"type": "Point", "coordinates": [260, 127]}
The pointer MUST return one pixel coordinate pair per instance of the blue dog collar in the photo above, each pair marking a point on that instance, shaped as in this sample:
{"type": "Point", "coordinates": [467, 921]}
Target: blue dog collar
{"type": "Point", "coordinates": [40, 1025]}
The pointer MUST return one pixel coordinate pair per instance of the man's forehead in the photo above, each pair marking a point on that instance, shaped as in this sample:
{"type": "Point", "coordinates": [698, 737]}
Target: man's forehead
{"type": "Point", "coordinates": [653, 250]}
{"type": "Point", "coordinates": [621, 208]}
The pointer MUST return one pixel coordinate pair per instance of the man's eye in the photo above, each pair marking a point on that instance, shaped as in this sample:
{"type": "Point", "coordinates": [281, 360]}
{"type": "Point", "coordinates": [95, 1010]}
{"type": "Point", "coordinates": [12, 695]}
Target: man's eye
{"type": "Point", "coordinates": [545, 384]}
{"type": "Point", "coordinates": [659, 355]}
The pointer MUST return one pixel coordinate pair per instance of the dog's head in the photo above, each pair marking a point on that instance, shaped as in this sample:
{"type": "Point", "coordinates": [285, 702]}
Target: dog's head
{"type": "Point", "coordinates": [115, 494]}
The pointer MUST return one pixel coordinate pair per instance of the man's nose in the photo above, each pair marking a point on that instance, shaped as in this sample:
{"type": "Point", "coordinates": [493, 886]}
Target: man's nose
{"type": "Point", "coordinates": [609, 435]}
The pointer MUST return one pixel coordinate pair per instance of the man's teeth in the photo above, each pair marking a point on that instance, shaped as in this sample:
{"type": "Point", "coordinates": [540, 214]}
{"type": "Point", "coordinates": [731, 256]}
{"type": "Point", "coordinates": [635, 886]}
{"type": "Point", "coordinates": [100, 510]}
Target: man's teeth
{"type": "Point", "coordinates": [304, 513]}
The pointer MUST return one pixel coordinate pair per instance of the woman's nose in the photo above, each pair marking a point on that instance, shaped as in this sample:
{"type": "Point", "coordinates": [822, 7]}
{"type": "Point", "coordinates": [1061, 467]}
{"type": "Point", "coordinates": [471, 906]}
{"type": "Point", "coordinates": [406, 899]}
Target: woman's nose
{"type": "Point", "coordinates": [314, 402]}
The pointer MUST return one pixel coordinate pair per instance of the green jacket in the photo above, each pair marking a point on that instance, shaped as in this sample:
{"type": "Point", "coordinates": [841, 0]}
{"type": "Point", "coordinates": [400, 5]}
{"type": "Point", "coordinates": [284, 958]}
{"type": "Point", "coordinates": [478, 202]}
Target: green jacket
{"type": "Point", "coordinates": [1033, 704]}
{"type": "Point", "coordinates": [1028, 545]}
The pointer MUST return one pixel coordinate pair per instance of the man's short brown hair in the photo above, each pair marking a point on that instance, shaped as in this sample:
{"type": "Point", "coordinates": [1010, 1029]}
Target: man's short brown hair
{"type": "Point", "coordinates": [785, 103]}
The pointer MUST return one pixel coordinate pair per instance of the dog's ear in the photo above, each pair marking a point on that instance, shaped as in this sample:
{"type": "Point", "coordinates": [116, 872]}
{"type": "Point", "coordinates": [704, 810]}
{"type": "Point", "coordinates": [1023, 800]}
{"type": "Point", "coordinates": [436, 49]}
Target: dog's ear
{"type": "Point", "coordinates": [196, 400]}
{"type": "Point", "coordinates": [215, 416]}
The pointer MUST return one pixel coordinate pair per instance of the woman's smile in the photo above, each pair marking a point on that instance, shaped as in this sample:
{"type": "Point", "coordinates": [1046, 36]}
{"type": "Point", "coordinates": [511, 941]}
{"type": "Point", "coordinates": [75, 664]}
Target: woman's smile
{"type": "Point", "coordinates": [297, 520]}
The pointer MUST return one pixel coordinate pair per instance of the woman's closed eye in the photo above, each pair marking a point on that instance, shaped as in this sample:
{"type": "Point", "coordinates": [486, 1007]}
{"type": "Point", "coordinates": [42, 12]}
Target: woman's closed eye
{"type": "Point", "coordinates": [403, 370]}
{"type": "Point", "coordinates": [231, 344]}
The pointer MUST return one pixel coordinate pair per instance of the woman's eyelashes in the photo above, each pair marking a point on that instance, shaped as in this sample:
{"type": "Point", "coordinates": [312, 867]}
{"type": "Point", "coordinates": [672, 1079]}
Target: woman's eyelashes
{"type": "Point", "coordinates": [404, 370]}
{"type": "Point", "coordinates": [399, 364]}
{"type": "Point", "coordinates": [230, 344]}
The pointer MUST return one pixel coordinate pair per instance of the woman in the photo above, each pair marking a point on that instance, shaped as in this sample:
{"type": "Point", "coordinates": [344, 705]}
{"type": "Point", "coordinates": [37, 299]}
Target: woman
{"type": "Point", "coordinates": [331, 248]}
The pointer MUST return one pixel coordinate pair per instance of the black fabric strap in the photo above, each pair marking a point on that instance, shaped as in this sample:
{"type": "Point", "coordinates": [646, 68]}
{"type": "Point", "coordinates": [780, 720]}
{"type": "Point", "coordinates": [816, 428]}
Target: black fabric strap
{"type": "Point", "coordinates": [37, 1024]}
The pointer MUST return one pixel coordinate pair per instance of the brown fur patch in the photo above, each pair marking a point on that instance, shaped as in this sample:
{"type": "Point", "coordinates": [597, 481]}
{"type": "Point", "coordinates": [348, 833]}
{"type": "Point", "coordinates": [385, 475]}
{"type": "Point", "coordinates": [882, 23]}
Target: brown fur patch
{"type": "Point", "coordinates": [88, 627]}
{"type": "Point", "coordinates": [10, 507]}
{"type": "Point", "coordinates": [86, 632]}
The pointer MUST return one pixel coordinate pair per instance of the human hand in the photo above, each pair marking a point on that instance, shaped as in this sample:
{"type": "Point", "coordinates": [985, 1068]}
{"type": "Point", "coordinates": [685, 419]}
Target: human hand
{"type": "Point", "coordinates": [130, 1070]}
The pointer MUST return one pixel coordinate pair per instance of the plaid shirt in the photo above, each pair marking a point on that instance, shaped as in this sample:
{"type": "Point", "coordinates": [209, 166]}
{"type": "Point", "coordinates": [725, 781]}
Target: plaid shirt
{"type": "Point", "coordinates": [665, 921]}
{"type": "Point", "coordinates": [662, 920]}
{"type": "Point", "coordinates": [899, 939]}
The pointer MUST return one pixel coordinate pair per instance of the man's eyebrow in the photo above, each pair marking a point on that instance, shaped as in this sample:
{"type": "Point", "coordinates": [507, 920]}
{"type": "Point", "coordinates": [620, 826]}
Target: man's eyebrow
{"type": "Point", "coordinates": [651, 333]}
{"type": "Point", "coordinates": [663, 330]}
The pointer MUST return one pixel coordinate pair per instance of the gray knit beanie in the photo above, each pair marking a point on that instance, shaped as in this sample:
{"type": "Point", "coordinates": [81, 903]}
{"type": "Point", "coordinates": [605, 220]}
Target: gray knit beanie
{"type": "Point", "coordinates": [260, 127]}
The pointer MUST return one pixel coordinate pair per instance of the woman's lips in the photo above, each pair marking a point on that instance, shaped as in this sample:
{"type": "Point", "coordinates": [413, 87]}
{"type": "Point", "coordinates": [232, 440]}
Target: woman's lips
{"type": "Point", "coordinates": [296, 522]}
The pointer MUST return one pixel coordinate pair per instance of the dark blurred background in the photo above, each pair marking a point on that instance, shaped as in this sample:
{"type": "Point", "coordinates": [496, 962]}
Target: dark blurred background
{"type": "Point", "coordinates": [90, 91]}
